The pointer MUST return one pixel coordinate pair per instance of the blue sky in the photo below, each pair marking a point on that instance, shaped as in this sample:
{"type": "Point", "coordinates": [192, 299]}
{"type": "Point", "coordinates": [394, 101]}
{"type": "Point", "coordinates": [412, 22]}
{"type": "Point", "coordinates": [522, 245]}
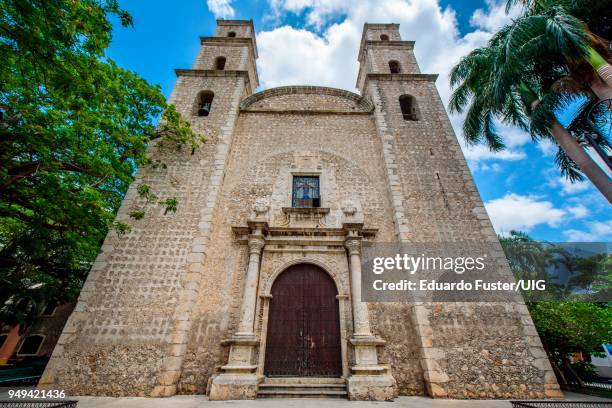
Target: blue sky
{"type": "Point", "coordinates": [315, 42]}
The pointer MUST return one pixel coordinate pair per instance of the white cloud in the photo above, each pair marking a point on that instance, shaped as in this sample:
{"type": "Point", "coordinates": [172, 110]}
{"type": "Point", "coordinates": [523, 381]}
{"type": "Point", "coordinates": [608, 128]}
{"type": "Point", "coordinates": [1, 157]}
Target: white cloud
{"type": "Point", "coordinates": [302, 56]}
{"type": "Point", "coordinates": [522, 213]}
{"type": "Point", "coordinates": [482, 152]}
{"type": "Point", "coordinates": [290, 56]}
{"type": "Point", "coordinates": [569, 188]}
{"type": "Point", "coordinates": [513, 138]}
{"type": "Point", "coordinates": [318, 10]}
{"type": "Point", "coordinates": [494, 17]}
{"type": "Point", "coordinates": [596, 231]}
{"type": "Point", "coordinates": [221, 8]}
{"type": "Point", "coordinates": [547, 147]}
{"type": "Point", "coordinates": [489, 168]}
{"type": "Point", "coordinates": [578, 211]}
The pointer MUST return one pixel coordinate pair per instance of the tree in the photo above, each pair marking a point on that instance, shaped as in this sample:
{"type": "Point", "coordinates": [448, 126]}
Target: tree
{"type": "Point", "coordinates": [529, 259]}
{"type": "Point", "coordinates": [569, 327]}
{"type": "Point", "coordinates": [73, 129]}
{"type": "Point", "coordinates": [565, 322]}
{"type": "Point", "coordinates": [497, 87]}
{"type": "Point", "coordinates": [555, 36]}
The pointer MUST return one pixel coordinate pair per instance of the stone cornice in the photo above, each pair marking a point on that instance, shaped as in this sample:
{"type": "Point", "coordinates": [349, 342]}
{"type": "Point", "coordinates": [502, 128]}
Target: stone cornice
{"type": "Point", "coordinates": [362, 102]}
{"type": "Point", "coordinates": [303, 112]}
{"type": "Point", "coordinates": [214, 73]}
{"type": "Point", "coordinates": [402, 77]}
{"type": "Point", "coordinates": [302, 236]}
{"type": "Point", "coordinates": [223, 21]}
{"type": "Point", "coordinates": [400, 43]}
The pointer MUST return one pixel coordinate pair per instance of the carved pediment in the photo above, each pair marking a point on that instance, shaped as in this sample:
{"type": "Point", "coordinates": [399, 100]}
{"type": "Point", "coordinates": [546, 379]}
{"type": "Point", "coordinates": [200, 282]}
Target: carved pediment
{"type": "Point", "coordinates": [306, 218]}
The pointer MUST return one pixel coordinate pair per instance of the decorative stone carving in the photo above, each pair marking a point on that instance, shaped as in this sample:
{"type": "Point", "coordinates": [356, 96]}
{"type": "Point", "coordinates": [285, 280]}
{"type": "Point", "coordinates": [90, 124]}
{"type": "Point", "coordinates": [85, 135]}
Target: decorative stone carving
{"type": "Point", "coordinates": [351, 211]}
{"type": "Point", "coordinates": [260, 209]}
{"type": "Point", "coordinates": [348, 208]}
{"type": "Point", "coordinates": [307, 217]}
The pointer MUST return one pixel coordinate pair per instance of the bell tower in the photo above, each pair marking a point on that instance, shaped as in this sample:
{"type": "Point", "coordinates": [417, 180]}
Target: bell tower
{"type": "Point", "coordinates": [383, 52]}
{"type": "Point", "coordinates": [431, 190]}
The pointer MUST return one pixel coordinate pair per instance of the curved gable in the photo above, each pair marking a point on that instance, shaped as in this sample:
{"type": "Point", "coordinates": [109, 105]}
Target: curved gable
{"type": "Point", "coordinates": [306, 99]}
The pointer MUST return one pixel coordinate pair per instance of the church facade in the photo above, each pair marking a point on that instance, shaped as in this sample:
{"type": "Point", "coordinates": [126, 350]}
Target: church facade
{"type": "Point", "coordinates": [253, 287]}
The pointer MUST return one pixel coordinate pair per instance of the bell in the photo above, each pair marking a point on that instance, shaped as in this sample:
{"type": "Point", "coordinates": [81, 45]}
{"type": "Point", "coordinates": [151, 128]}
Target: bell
{"type": "Point", "coordinates": [204, 110]}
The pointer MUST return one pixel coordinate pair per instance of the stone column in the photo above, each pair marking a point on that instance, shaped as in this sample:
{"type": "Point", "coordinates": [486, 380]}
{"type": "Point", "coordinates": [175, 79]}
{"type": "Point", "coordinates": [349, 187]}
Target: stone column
{"type": "Point", "coordinates": [249, 298]}
{"type": "Point", "coordinates": [369, 379]}
{"type": "Point", "coordinates": [238, 379]}
{"type": "Point", "coordinates": [361, 317]}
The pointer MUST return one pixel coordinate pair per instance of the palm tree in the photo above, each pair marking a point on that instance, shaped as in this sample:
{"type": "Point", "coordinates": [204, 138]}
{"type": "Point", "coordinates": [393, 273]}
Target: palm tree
{"type": "Point", "coordinates": [559, 30]}
{"type": "Point", "coordinates": [528, 258]}
{"type": "Point", "coordinates": [496, 85]}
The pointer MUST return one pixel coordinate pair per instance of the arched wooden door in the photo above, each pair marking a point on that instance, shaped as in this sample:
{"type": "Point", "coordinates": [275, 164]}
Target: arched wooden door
{"type": "Point", "coordinates": [303, 336]}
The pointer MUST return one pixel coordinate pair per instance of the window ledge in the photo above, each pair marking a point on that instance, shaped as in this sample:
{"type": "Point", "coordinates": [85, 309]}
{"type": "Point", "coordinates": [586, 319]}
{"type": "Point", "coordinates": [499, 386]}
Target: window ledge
{"type": "Point", "coordinates": [305, 210]}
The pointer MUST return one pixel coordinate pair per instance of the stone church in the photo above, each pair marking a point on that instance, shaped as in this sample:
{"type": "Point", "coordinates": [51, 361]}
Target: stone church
{"type": "Point", "coordinates": [253, 287]}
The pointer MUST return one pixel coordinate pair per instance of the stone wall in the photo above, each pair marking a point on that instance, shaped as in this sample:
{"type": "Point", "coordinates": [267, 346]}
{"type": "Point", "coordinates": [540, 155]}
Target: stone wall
{"type": "Point", "coordinates": [466, 350]}
{"type": "Point", "coordinates": [128, 329]}
{"type": "Point", "coordinates": [235, 57]}
{"type": "Point", "coordinates": [267, 148]}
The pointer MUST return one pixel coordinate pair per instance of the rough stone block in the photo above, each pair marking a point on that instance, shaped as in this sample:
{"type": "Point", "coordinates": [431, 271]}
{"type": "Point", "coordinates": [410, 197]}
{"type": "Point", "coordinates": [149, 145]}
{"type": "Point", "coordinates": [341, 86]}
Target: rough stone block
{"type": "Point", "coordinates": [234, 387]}
{"type": "Point", "coordinates": [371, 388]}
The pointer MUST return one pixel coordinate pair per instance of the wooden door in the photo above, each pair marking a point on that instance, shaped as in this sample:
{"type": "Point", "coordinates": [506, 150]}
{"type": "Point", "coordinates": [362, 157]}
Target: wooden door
{"type": "Point", "coordinates": [303, 336]}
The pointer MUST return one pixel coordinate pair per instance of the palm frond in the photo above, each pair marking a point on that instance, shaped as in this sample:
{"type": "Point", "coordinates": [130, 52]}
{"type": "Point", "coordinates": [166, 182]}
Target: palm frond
{"type": "Point", "coordinates": [473, 124]}
{"type": "Point", "coordinates": [567, 34]}
{"type": "Point", "coordinates": [544, 112]}
{"type": "Point", "coordinates": [514, 113]}
{"type": "Point", "coordinates": [468, 65]}
{"type": "Point", "coordinates": [568, 167]}
{"type": "Point", "coordinates": [512, 3]}
{"type": "Point", "coordinates": [491, 137]}
{"type": "Point", "coordinates": [460, 98]}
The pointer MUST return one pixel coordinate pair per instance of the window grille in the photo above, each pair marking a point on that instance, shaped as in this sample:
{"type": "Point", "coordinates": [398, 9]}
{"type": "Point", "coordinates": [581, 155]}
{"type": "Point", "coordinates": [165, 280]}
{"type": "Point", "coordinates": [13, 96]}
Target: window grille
{"type": "Point", "coordinates": [306, 192]}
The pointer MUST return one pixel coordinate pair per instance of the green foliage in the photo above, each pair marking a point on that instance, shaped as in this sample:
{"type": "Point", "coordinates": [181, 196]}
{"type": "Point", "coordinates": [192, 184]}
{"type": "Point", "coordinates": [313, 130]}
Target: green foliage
{"type": "Point", "coordinates": [528, 258]}
{"type": "Point", "coordinates": [594, 274]}
{"type": "Point", "coordinates": [566, 322]}
{"type": "Point", "coordinates": [572, 326]}
{"type": "Point", "coordinates": [169, 204]}
{"type": "Point", "coordinates": [137, 214]}
{"type": "Point", "coordinates": [74, 127]}
{"type": "Point", "coordinates": [542, 56]}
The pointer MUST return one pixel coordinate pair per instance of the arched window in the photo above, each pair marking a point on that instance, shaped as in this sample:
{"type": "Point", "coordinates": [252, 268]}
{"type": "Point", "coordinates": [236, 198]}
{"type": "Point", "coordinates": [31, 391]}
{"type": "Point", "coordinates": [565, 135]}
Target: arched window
{"type": "Point", "coordinates": [409, 107]}
{"type": "Point", "coordinates": [31, 345]}
{"type": "Point", "coordinates": [220, 63]}
{"type": "Point", "coordinates": [204, 103]}
{"type": "Point", "coordinates": [384, 37]}
{"type": "Point", "coordinates": [231, 34]}
{"type": "Point", "coordinates": [394, 67]}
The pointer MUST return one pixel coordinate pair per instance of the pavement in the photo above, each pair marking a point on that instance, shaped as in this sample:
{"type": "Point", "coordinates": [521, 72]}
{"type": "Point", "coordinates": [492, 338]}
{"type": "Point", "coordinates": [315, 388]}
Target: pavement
{"type": "Point", "coordinates": [201, 401]}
